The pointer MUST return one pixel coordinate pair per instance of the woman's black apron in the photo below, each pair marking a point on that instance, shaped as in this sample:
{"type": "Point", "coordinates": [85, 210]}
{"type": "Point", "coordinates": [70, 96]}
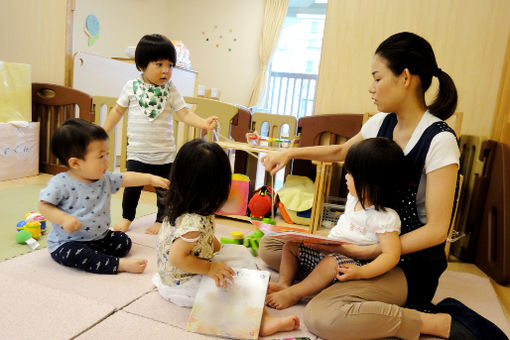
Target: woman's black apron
{"type": "Point", "coordinates": [423, 268]}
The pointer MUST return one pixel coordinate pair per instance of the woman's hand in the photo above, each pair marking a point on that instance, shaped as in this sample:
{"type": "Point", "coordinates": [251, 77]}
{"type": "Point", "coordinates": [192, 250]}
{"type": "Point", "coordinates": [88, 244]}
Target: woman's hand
{"type": "Point", "coordinates": [211, 123]}
{"type": "Point", "coordinates": [275, 161]}
{"type": "Point", "coordinates": [219, 271]}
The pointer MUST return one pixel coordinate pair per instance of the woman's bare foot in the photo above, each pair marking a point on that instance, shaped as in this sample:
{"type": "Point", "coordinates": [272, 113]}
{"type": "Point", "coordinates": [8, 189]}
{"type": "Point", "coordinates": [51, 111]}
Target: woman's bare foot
{"type": "Point", "coordinates": [271, 325]}
{"type": "Point", "coordinates": [132, 265]}
{"type": "Point", "coordinates": [153, 229]}
{"type": "Point", "coordinates": [276, 286]}
{"type": "Point", "coordinates": [122, 225]}
{"type": "Point", "coordinates": [282, 299]}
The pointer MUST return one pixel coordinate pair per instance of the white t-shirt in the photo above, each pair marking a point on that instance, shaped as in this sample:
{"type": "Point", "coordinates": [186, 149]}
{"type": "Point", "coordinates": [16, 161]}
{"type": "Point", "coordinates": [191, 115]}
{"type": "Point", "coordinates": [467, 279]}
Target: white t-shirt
{"type": "Point", "coordinates": [150, 141]}
{"type": "Point", "coordinates": [362, 226]}
{"type": "Point", "coordinates": [443, 151]}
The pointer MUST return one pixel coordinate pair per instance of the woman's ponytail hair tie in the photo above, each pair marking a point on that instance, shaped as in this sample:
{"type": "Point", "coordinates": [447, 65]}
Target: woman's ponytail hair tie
{"type": "Point", "coordinates": [437, 72]}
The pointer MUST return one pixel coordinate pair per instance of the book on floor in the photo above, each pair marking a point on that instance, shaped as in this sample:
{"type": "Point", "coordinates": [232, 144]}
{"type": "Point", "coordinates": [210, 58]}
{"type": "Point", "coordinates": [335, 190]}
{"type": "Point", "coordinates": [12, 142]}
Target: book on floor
{"type": "Point", "coordinates": [234, 311]}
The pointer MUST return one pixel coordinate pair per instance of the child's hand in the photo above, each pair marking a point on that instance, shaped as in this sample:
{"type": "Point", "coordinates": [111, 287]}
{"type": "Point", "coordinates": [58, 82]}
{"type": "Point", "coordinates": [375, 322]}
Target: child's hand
{"type": "Point", "coordinates": [160, 182]}
{"type": "Point", "coordinates": [71, 223]}
{"type": "Point", "coordinates": [219, 271]}
{"type": "Point", "coordinates": [348, 271]}
{"type": "Point", "coordinates": [211, 123]}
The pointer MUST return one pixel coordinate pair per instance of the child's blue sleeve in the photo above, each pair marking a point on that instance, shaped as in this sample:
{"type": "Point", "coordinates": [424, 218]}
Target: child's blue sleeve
{"type": "Point", "coordinates": [53, 193]}
{"type": "Point", "coordinates": [115, 179]}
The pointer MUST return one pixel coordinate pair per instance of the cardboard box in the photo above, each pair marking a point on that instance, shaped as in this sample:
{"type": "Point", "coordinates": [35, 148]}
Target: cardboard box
{"type": "Point", "coordinates": [19, 150]}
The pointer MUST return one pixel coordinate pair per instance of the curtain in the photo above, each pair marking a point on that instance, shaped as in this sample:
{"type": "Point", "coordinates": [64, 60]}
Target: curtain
{"type": "Point", "coordinates": [501, 124]}
{"type": "Point", "coordinates": [274, 15]}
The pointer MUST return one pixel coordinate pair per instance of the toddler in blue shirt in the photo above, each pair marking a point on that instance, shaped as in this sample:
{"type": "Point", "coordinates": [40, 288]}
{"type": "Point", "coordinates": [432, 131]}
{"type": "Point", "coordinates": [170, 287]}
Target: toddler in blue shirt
{"type": "Point", "coordinates": [77, 202]}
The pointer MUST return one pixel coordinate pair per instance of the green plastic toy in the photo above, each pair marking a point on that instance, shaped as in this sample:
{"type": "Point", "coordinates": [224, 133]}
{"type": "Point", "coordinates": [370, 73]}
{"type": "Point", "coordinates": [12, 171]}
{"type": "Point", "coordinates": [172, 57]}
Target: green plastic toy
{"type": "Point", "coordinates": [268, 220]}
{"type": "Point", "coordinates": [24, 236]}
{"type": "Point", "coordinates": [251, 241]}
{"type": "Point", "coordinates": [237, 238]}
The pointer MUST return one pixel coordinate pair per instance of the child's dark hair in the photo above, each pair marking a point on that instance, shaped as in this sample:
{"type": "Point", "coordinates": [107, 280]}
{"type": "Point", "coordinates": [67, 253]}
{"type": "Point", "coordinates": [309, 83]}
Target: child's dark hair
{"type": "Point", "coordinates": [153, 47]}
{"type": "Point", "coordinates": [73, 137]}
{"type": "Point", "coordinates": [377, 166]}
{"type": "Point", "coordinates": [408, 50]}
{"type": "Point", "coordinates": [199, 180]}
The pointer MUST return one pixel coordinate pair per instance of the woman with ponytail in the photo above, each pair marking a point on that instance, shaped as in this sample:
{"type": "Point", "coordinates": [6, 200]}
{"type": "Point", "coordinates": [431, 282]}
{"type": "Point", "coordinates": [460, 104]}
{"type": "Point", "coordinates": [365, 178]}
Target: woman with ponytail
{"type": "Point", "coordinates": [398, 303]}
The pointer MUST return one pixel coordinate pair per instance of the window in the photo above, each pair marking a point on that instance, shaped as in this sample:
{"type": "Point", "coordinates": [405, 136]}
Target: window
{"type": "Point", "coordinates": [309, 65]}
{"type": "Point", "coordinates": [313, 28]}
{"type": "Point", "coordinates": [293, 70]}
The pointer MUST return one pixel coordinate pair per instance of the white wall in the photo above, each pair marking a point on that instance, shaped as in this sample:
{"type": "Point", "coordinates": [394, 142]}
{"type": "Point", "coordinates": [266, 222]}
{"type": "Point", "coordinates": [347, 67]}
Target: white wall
{"type": "Point", "coordinates": [192, 22]}
{"type": "Point", "coordinates": [220, 21]}
{"type": "Point", "coordinates": [469, 38]}
{"type": "Point", "coordinates": [122, 23]}
{"type": "Point", "coordinates": [33, 32]}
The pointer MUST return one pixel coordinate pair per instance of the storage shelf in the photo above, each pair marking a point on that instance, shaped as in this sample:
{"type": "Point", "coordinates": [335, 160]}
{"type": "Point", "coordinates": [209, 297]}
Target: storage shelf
{"type": "Point", "coordinates": [322, 185]}
{"type": "Point", "coordinates": [279, 221]}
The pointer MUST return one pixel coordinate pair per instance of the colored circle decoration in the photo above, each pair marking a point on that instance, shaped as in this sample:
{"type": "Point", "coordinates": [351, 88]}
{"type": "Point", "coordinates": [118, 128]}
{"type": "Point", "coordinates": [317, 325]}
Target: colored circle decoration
{"type": "Point", "coordinates": [216, 39]}
{"type": "Point", "coordinates": [92, 25]}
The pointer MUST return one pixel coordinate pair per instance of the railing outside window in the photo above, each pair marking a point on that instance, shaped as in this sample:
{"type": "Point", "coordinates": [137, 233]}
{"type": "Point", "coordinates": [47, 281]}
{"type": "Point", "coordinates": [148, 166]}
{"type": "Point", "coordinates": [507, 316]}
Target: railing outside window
{"type": "Point", "coordinates": [291, 93]}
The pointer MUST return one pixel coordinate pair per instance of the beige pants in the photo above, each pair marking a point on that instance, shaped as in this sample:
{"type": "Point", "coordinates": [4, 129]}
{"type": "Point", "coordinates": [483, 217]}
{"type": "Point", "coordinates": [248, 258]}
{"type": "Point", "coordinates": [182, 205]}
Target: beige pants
{"type": "Point", "coordinates": [364, 309]}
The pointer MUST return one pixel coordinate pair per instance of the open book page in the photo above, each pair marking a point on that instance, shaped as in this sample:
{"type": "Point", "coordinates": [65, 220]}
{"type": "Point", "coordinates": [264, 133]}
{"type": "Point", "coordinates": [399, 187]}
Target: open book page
{"type": "Point", "coordinates": [294, 234]}
{"type": "Point", "coordinates": [276, 228]}
{"type": "Point", "coordinates": [233, 312]}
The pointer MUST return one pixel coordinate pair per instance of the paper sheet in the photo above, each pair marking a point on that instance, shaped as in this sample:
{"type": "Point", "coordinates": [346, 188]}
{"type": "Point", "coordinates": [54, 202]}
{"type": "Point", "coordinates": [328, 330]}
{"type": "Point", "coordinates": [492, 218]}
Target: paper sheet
{"type": "Point", "coordinates": [233, 312]}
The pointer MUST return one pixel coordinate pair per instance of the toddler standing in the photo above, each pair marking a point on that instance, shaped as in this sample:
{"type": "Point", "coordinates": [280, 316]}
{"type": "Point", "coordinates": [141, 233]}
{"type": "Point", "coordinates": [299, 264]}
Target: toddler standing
{"type": "Point", "coordinates": [77, 202]}
{"type": "Point", "coordinates": [150, 101]}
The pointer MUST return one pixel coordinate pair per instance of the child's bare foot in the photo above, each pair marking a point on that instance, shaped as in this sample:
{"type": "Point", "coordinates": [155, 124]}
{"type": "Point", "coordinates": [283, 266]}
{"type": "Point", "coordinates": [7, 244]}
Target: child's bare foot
{"type": "Point", "coordinates": [282, 299]}
{"type": "Point", "coordinates": [153, 229]}
{"type": "Point", "coordinates": [271, 325]}
{"type": "Point", "coordinates": [276, 286]}
{"type": "Point", "coordinates": [122, 225]}
{"type": "Point", "coordinates": [132, 265]}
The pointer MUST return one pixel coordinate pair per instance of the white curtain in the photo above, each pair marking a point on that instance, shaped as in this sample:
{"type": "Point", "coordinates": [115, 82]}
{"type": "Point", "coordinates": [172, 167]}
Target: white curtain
{"type": "Point", "coordinates": [274, 15]}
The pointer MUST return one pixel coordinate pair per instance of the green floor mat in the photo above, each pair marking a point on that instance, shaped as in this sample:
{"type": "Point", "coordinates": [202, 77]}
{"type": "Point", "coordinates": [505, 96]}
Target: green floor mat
{"type": "Point", "coordinates": [16, 202]}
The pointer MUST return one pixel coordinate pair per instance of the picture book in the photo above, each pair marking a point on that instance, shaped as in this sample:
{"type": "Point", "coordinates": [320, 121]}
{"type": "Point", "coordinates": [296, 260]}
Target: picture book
{"type": "Point", "coordinates": [276, 228]}
{"type": "Point", "coordinates": [234, 311]}
{"type": "Point", "coordinates": [294, 234]}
